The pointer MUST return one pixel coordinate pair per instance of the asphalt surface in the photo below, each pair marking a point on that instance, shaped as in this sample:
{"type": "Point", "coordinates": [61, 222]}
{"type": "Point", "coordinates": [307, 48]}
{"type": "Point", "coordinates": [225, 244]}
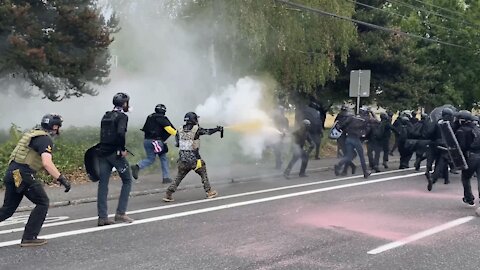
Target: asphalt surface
{"type": "Point", "coordinates": [389, 221]}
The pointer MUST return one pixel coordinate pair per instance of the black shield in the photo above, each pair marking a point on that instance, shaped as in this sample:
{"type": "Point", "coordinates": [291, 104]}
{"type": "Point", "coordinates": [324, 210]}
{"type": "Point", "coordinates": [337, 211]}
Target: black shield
{"type": "Point", "coordinates": [452, 146]}
{"type": "Point", "coordinates": [91, 162]}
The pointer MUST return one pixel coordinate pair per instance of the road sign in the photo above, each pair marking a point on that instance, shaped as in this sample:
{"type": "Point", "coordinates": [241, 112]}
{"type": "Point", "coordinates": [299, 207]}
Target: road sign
{"type": "Point", "coordinates": [360, 83]}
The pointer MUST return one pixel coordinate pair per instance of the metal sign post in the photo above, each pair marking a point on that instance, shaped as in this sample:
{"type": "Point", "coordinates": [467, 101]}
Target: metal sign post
{"type": "Point", "coordinates": [359, 85]}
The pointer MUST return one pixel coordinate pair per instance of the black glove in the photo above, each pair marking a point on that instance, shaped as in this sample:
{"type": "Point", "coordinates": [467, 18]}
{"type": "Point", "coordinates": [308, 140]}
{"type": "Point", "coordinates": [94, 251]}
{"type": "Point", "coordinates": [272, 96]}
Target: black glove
{"type": "Point", "coordinates": [64, 182]}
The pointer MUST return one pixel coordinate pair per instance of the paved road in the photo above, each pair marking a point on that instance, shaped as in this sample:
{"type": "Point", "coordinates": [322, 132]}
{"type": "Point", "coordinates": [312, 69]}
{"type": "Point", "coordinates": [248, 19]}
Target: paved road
{"type": "Point", "coordinates": [389, 221]}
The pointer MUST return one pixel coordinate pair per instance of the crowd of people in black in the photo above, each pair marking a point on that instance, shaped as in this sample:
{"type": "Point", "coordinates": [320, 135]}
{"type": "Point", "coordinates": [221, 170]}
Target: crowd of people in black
{"type": "Point", "coordinates": [416, 135]}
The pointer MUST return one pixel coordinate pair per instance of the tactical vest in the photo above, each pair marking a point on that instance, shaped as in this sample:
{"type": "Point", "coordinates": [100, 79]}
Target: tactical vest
{"type": "Point", "coordinates": [23, 154]}
{"type": "Point", "coordinates": [187, 141]}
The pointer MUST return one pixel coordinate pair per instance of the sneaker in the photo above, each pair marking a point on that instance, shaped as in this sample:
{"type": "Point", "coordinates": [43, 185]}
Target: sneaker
{"type": "Point", "coordinates": [367, 174]}
{"type": "Point", "coordinates": [212, 194]}
{"type": "Point", "coordinates": [166, 181]}
{"type": "Point", "coordinates": [135, 169]}
{"type": "Point", "coordinates": [105, 221]}
{"type": "Point", "coordinates": [168, 197]}
{"type": "Point", "coordinates": [123, 218]}
{"type": "Point", "coordinates": [469, 204]}
{"type": "Point", "coordinates": [376, 169]}
{"type": "Point", "coordinates": [302, 175]}
{"type": "Point", "coordinates": [33, 242]}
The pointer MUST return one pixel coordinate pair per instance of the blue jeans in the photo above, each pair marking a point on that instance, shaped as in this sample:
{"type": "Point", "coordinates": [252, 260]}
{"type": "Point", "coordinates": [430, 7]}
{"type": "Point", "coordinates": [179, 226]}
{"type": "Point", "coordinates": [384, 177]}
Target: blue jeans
{"type": "Point", "coordinates": [352, 145]}
{"type": "Point", "coordinates": [147, 144]}
{"type": "Point", "coordinates": [106, 164]}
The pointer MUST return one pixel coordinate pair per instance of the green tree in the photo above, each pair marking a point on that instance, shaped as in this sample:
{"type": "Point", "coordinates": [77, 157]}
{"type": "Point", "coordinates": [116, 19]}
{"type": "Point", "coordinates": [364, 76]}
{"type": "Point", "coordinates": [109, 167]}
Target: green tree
{"type": "Point", "coordinates": [60, 47]}
{"type": "Point", "coordinates": [299, 49]}
{"type": "Point", "coordinates": [453, 67]}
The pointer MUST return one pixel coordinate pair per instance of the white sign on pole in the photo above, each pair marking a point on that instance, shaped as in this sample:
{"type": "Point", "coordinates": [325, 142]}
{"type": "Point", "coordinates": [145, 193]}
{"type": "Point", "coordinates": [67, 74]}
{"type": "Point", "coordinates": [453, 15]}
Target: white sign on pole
{"type": "Point", "coordinates": [360, 83]}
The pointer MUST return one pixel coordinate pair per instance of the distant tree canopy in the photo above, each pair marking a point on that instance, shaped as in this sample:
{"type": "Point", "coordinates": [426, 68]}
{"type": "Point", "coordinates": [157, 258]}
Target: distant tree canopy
{"type": "Point", "coordinates": [59, 46]}
{"type": "Point", "coordinates": [311, 55]}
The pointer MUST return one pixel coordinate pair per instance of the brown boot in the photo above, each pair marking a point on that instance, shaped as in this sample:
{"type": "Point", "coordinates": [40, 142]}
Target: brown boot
{"type": "Point", "coordinates": [105, 222]}
{"type": "Point", "coordinates": [33, 242]}
{"type": "Point", "coordinates": [123, 218]}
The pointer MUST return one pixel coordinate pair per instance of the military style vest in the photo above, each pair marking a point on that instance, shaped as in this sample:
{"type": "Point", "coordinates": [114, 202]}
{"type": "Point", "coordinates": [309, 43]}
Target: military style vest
{"type": "Point", "coordinates": [23, 154]}
{"type": "Point", "coordinates": [187, 141]}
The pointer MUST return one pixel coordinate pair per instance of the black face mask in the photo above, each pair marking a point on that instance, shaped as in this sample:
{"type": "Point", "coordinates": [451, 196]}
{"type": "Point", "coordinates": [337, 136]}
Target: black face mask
{"type": "Point", "coordinates": [126, 107]}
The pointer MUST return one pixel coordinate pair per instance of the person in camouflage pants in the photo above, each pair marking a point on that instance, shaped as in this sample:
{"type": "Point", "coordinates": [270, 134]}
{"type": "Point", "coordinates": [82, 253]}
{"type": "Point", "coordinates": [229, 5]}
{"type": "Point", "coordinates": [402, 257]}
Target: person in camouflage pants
{"type": "Point", "coordinates": [188, 140]}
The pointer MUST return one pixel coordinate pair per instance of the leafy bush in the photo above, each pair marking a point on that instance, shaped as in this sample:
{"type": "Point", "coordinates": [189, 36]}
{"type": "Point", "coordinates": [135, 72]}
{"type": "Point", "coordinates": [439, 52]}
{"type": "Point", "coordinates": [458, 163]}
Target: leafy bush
{"type": "Point", "coordinates": [74, 141]}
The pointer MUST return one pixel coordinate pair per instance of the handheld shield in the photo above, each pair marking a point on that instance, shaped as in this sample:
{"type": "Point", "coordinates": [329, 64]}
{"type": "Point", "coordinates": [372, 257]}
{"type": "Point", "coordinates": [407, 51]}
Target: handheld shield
{"type": "Point", "coordinates": [91, 162]}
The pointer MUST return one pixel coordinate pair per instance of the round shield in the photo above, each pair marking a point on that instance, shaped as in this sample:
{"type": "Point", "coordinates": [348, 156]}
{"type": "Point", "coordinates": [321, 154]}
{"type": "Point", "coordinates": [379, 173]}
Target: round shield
{"type": "Point", "coordinates": [91, 162]}
{"type": "Point", "coordinates": [436, 113]}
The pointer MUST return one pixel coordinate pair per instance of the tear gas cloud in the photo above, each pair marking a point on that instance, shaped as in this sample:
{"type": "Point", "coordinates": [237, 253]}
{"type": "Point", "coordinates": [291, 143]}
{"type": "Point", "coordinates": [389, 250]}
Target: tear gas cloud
{"type": "Point", "coordinates": [239, 108]}
{"type": "Point", "coordinates": [156, 60]}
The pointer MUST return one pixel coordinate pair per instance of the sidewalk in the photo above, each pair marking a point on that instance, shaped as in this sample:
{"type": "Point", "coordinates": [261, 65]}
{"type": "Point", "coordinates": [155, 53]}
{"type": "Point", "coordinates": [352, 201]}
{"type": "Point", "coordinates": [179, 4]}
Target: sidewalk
{"type": "Point", "coordinates": [152, 184]}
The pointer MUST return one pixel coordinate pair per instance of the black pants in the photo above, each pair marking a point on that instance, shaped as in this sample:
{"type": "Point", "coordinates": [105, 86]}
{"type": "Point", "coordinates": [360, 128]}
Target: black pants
{"type": "Point", "coordinates": [317, 139]}
{"type": "Point", "coordinates": [298, 153]}
{"type": "Point", "coordinates": [386, 148]}
{"type": "Point", "coordinates": [341, 145]}
{"type": "Point", "coordinates": [374, 148]}
{"type": "Point", "coordinates": [405, 154]}
{"type": "Point", "coordinates": [34, 191]}
{"type": "Point", "coordinates": [473, 161]}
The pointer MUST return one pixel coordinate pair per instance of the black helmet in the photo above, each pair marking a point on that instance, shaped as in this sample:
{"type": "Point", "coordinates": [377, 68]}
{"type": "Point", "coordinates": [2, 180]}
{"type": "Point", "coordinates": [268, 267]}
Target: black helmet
{"type": "Point", "coordinates": [464, 115]}
{"type": "Point", "coordinates": [50, 120]}
{"type": "Point", "coordinates": [447, 112]}
{"type": "Point", "coordinates": [160, 108]}
{"type": "Point", "coordinates": [191, 118]}
{"type": "Point", "coordinates": [120, 98]}
{"type": "Point", "coordinates": [364, 110]}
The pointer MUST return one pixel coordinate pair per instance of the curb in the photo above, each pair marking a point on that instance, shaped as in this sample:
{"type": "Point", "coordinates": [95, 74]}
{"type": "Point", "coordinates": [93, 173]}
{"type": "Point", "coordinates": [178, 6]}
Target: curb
{"type": "Point", "coordinates": [161, 190]}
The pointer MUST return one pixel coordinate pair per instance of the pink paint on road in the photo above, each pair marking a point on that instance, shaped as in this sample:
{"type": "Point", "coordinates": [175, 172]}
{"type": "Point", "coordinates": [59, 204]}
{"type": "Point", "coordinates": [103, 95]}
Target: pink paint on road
{"type": "Point", "coordinates": [379, 225]}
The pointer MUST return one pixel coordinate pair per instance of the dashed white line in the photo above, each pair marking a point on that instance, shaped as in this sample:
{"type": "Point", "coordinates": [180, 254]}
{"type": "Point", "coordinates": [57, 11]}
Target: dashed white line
{"type": "Point", "coordinates": [421, 235]}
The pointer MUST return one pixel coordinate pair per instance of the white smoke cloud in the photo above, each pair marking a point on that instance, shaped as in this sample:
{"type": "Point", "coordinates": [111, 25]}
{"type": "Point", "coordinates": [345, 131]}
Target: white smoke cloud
{"type": "Point", "coordinates": [240, 108]}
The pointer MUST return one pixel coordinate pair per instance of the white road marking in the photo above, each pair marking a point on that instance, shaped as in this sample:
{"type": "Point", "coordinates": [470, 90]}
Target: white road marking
{"type": "Point", "coordinates": [421, 235]}
{"type": "Point", "coordinates": [204, 201]}
{"type": "Point", "coordinates": [211, 209]}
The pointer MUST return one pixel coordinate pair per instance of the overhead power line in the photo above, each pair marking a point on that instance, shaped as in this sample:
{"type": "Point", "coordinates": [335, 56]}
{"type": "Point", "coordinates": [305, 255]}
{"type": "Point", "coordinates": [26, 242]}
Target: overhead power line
{"type": "Point", "coordinates": [438, 7]}
{"type": "Point", "coordinates": [400, 15]}
{"type": "Point", "coordinates": [374, 26]}
{"type": "Point", "coordinates": [416, 8]}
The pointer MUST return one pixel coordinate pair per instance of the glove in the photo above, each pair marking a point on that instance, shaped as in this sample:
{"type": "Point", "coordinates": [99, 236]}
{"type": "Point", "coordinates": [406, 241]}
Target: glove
{"type": "Point", "coordinates": [64, 182]}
